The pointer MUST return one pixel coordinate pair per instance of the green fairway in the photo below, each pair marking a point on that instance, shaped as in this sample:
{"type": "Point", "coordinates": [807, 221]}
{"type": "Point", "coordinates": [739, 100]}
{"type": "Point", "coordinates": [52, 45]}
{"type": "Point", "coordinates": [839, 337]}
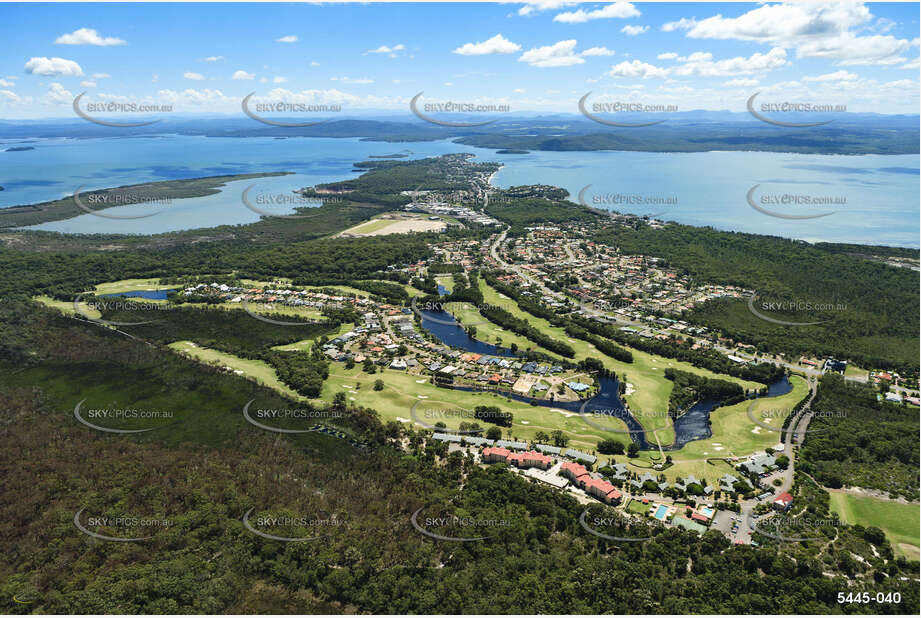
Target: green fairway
{"type": "Point", "coordinates": [257, 370]}
{"type": "Point", "coordinates": [130, 285]}
{"type": "Point", "coordinates": [401, 391]}
{"type": "Point", "coordinates": [304, 345]}
{"type": "Point", "coordinates": [67, 307]}
{"type": "Point", "coordinates": [898, 520]}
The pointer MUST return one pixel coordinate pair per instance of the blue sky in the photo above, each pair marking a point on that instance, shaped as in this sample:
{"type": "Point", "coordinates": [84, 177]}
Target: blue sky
{"type": "Point", "coordinates": [539, 56]}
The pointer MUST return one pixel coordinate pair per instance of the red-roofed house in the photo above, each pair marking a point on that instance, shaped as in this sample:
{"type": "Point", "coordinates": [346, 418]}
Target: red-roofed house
{"type": "Point", "coordinates": [602, 490]}
{"type": "Point", "coordinates": [531, 459]}
{"type": "Point", "coordinates": [783, 502]}
{"type": "Point", "coordinates": [495, 454]}
{"type": "Point", "coordinates": [572, 470]}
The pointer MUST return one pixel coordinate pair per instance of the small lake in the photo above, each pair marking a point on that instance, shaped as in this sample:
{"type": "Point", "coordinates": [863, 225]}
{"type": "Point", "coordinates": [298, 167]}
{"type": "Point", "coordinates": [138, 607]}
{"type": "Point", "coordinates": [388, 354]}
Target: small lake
{"type": "Point", "coordinates": [449, 332]}
{"type": "Point", "coordinates": [695, 423]}
{"type": "Point", "coordinates": [148, 294]}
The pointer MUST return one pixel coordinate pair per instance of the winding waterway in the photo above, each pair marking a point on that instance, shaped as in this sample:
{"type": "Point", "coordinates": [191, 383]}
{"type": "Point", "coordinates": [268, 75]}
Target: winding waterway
{"type": "Point", "coordinates": [690, 426]}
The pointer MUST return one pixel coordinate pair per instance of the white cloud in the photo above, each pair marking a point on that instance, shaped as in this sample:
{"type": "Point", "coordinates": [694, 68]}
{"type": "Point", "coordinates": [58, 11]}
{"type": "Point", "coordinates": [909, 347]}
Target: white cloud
{"type": "Point", "coordinates": [667, 56]}
{"type": "Point", "coordinates": [314, 63]}
{"type": "Point", "coordinates": [9, 95]}
{"type": "Point", "coordinates": [59, 94]}
{"type": "Point", "coordinates": [701, 63]}
{"type": "Point", "coordinates": [814, 30]}
{"type": "Point", "coordinates": [87, 36]}
{"type": "Point", "coordinates": [386, 49]}
{"type": "Point", "coordinates": [352, 80]}
{"type": "Point", "coordinates": [597, 51]}
{"type": "Point", "coordinates": [634, 30]}
{"type": "Point", "coordinates": [194, 98]}
{"type": "Point", "coordinates": [560, 54]}
{"type": "Point", "coordinates": [243, 75]}
{"type": "Point", "coordinates": [518, 90]}
{"type": "Point", "coordinates": [743, 81]}
{"type": "Point", "coordinates": [100, 75]}
{"type": "Point", "coordinates": [214, 58]}
{"type": "Point", "coordinates": [287, 39]}
{"type": "Point", "coordinates": [636, 68]}
{"type": "Point", "coordinates": [837, 76]}
{"type": "Point", "coordinates": [536, 6]}
{"type": "Point", "coordinates": [53, 67]}
{"type": "Point", "coordinates": [681, 24]}
{"type": "Point", "coordinates": [278, 79]}
{"type": "Point", "coordinates": [620, 10]}
{"type": "Point", "coordinates": [88, 84]}
{"type": "Point", "coordinates": [496, 45]}
{"type": "Point", "coordinates": [912, 64]}
{"type": "Point", "coordinates": [193, 76]}
{"type": "Point", "coordinates": [6, 83]}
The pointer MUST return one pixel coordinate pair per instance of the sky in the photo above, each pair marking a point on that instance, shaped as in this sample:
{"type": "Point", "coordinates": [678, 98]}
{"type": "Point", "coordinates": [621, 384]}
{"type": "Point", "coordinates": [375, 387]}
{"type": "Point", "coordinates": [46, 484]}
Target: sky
{"type": "Point", "coordinates": [537, 56]}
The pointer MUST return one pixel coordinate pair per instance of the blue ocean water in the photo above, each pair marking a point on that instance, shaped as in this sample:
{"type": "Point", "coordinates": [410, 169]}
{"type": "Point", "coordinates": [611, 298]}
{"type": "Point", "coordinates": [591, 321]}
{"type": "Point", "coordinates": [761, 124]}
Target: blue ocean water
{"type": "Point", "coordinates": [871, 199]}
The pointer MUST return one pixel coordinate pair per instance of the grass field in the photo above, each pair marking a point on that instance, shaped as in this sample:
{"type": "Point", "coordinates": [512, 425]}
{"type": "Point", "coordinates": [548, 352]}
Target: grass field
{"type": "Point", "coordinates": [401, 391]}
{"type": "Point", "coordinates": [637, 507]}
{"type": "Point", "coordinates": [899, 521]}
{"type": "Point", "coordinates": [257, 370]}
{"type": "Point", "coordinates": [304, 344]}
{"type": "Point", "coordinates": [130, 285]}
{"type": "Point", "coordinates": [853, 371]}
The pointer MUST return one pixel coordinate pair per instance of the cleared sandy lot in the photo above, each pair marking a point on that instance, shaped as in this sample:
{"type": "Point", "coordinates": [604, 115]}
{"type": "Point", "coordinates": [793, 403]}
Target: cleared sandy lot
{"type": "Point", "coordinates": [396, 225]}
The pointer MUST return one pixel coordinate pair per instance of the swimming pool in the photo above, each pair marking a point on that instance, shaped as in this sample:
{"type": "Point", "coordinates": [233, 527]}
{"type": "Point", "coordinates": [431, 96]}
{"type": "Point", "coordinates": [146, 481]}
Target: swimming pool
{"type": "Point", "coordinates": [661, 512]}
{"type": "Point", "coordinates": [708, 513]}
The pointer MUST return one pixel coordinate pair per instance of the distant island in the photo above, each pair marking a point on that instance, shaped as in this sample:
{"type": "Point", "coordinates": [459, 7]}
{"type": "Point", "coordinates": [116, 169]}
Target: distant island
{"type": "Point", "coordinates": [512, 151]}
{"type": "Point", "coordinates": [19, 148]}
{"type": "Point", "coordinates": [850, 134]}
{"type": "Point", "coordinates": [390, 156]}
